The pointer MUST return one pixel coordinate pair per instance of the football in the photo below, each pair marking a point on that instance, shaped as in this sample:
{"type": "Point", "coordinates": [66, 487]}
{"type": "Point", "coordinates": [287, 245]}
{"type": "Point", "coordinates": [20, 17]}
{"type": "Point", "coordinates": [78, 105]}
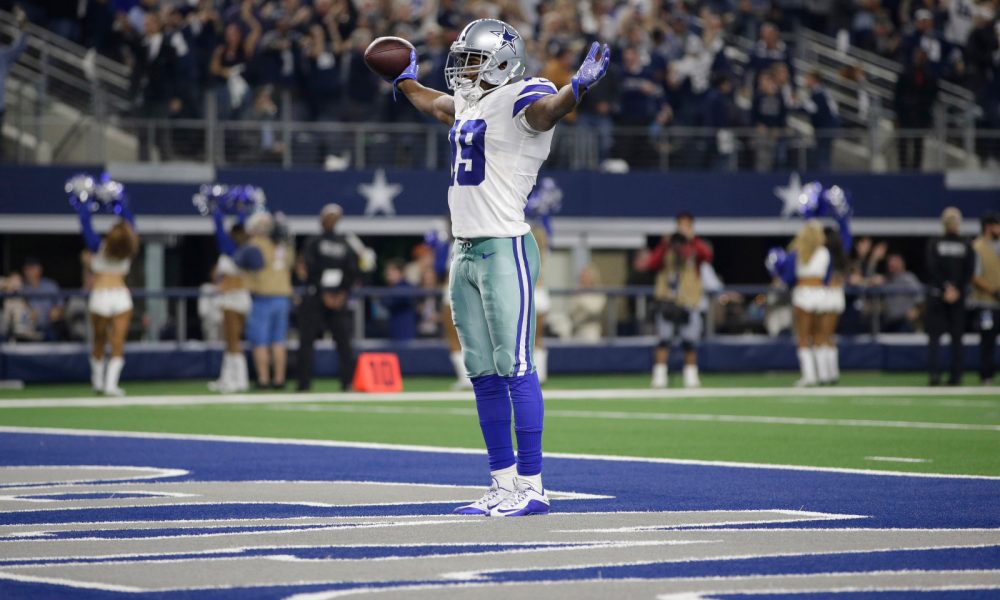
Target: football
{"type": "Point", "coordinates": [388, 56]}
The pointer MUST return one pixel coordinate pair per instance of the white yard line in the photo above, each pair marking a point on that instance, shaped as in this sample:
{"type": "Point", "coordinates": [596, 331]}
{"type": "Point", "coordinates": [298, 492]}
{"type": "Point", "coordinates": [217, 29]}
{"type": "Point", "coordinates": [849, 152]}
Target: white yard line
{"type": "Point", "coordinates": [598, 394]}
{"type": "Point", "coordinates": [647, 416]}
{"type": "Point", "coordinates": [898, 459]}
{"type": "Point", "coordinates": [477, 451]}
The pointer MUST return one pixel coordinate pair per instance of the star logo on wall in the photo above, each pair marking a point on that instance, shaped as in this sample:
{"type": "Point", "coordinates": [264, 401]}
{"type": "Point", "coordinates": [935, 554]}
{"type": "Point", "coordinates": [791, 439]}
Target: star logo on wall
{"type": "Point", "coordinates": [790, 196]}
{"type": "Point", "coordinates": [379, 195]}
{"type": "Point", "coordinates": [507, 38]}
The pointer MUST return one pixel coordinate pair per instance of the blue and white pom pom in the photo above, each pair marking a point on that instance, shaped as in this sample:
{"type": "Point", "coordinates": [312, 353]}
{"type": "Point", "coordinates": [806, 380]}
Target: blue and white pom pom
{"type": "Point", "coordinates": [80, 188]}
{"type": "Point", "coordinates": [775, 261]}
{"type": "Point", "coordinates": [838, 202]}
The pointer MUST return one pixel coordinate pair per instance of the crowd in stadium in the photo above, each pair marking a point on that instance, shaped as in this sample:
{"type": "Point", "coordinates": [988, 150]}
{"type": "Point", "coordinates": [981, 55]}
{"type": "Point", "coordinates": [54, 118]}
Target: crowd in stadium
{"type": "Point", "coordinates": [671, 60]}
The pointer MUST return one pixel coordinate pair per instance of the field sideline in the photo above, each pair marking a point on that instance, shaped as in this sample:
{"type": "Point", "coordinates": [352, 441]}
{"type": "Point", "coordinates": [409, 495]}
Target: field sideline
{"type": "Point", "coordinates": [855, 426]}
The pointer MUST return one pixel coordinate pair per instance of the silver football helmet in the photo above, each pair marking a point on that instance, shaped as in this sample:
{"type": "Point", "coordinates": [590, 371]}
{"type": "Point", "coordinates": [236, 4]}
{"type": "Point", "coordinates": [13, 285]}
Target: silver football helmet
{"type": "Point", "coordinates": [487, 50]}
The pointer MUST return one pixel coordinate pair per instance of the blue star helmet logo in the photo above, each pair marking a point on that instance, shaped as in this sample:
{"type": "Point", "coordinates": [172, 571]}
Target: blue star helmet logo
{"type": "Point", "coordinates": [507, 38]}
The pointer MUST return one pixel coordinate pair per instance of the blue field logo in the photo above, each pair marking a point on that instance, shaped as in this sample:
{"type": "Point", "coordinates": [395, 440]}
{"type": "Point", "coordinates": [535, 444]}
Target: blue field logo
{"type": "Point", "coordinates": [172, 515]}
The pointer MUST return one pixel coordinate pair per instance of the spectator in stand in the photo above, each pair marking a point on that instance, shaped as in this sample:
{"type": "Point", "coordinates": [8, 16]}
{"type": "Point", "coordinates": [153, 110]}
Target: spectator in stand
{"type": "Point", "coordinates": [915, 97]}
{"type": "Point", "coordinates": [46, 311]}
{"type": "Point", "coordinates": [926, 38]}
{"type": "Point", "coordinates": [8, 56]}
{"type": "Point", "coordinates": [886, 40]}
{"type": "Point", "coordinates": [15, 320]}
{"type": "Point", "coordinates": [586, 309]}
{"type": "Point", "coordinates": [825, 119]}
{"type": "Point", "coordinates": [158, 85]}
{"type": "Point", "coordinates": [230, 62]}
{"type": "Point", "coordinates": [642, 105]}
{"type": "Point", "coordinates": [769, 116]}
{"type": "Point", "coordinates": [900, 311]}
{"type": "Point", "coordinates": [402, 309]}
{"type": "Point", "coordinates": [721, 115]}
{"type": "Point", "coordinates": [594, 113]}
{"type": "Point", "coordinates": [768, 51]}
{"type": "Point", "coordinates": [983, 77]}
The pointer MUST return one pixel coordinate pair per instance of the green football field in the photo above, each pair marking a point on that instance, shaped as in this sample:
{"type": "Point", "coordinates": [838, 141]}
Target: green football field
{"type": "Point", "coordinates": [873, 421]}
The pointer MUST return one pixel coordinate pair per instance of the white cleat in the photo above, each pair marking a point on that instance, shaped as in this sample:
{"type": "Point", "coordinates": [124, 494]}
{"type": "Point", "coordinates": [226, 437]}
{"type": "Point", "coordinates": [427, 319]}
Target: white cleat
{"type": "Point", "coordinates": [462, 384]}
{"type": "Point", "coordinates": [525, 501]}
{"type": "Point", "coordinates": [115, 391]}
{"type": "Point", "coordinates": [490, 500]}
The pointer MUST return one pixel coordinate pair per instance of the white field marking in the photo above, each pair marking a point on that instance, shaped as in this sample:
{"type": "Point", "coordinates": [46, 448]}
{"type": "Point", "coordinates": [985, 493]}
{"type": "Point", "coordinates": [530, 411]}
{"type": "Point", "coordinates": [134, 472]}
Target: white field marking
{"type": "Point", "coordinates": [650, 416]}
{"type": "Point", "coordinates": [471, 585]}
{"type": "Point", "coordinates": [296, 523]}
{"type": "Point", "coordinates": [83, 490]}
{"type": "Point", "coordinates": [598, 394]}
{"type": "Point", "coordinates": [719, 525]}
{"type": "Point", "coordinates": [555, 494]}
{"type": "Point", "coordinates": [899, 459]}
{"type": "Point", "coordinates": [87, 585]}
{"type": "Point", "coordinates": [150, 473]}
{"type": "Point", "coordinates": [472, 451]}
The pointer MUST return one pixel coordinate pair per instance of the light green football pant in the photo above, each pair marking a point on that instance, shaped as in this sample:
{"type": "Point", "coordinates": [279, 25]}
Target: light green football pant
{"type": "Point", "coordinates": [492, 303]}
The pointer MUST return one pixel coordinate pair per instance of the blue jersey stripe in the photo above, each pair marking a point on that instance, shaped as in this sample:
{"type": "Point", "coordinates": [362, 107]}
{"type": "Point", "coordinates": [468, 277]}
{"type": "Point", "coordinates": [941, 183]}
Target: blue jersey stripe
{"type": "Point", "coordinates": [523, 103]}
{"type": "Point", "coordinates": [538, 87]}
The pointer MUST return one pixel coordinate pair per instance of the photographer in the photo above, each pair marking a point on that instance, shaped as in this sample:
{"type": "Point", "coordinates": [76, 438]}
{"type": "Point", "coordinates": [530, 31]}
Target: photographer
{"type": "Point", "coordinates": [677, 261]}
{"type": "Point", "coordinates": [266, 261]}
{"type": "Point", "coordinates": [985, 296]}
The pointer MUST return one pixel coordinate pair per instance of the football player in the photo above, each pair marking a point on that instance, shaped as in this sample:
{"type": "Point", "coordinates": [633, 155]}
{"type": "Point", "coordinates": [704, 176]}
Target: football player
{"type": "Point", "coordinates": [501, 132]}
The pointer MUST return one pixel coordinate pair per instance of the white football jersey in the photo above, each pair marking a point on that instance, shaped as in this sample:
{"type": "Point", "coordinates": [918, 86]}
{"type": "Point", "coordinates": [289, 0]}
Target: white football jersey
{"type": "Point", "coordinates": [495, 157]}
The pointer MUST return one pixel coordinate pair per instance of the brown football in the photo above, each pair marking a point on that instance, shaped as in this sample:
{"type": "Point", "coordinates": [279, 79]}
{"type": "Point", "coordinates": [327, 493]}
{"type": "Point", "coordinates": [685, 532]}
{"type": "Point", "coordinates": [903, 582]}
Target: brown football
{"type": "Point", "coordinates": [388, 56]}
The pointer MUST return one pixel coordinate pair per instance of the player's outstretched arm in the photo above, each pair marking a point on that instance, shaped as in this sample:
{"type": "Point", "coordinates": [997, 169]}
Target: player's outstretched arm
{"type": "Point", "coordinates": [546, 112]}
{"type": "Point", "coordinates": [429, 101]}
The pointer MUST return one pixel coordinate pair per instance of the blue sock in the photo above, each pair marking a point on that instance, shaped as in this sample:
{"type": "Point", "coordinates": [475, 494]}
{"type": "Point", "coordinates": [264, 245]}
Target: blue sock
{"type": "Point", "coordinates": [529, 412]}
{"type": "Point", "coordinates": [493, 406]}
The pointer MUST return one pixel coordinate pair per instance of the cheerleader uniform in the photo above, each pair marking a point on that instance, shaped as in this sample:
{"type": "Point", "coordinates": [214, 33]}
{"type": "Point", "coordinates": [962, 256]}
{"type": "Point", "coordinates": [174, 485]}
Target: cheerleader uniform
{"type": "Point", "coordinates": [106, 302]}
{"type": "Point", "coordinates": [234, 375]}
{"type": "Point", "coordinates": [810, 295]}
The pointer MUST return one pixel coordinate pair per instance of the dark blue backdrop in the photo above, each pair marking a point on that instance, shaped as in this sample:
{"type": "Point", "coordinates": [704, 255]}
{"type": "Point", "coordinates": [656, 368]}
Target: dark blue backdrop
{"type": "Point", "coordinates": [38, 190]}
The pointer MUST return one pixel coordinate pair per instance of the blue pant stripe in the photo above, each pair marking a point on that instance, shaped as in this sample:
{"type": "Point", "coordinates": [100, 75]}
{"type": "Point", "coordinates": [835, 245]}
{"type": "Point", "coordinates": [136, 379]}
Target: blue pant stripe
{"type": "Point", "coordinates": [531, 303]}
{"type": "Point", "coordinates": [520, 314]}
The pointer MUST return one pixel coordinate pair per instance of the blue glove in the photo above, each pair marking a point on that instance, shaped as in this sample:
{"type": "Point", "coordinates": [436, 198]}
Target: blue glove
{"type": "Point", "coordinates": [409, 72]}
{"type": "Point", "coordinates": [591, 70]}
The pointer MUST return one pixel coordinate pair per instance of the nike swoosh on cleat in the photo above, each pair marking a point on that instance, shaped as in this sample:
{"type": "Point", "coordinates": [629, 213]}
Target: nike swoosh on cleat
{"type": "Point", "coordinates": [485, 255]}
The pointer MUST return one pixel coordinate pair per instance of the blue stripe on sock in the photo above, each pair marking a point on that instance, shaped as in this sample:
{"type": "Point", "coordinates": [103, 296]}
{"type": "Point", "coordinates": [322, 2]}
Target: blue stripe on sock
{"type": "Point", "coordinates": [520, 314]}
{"type": "Point", "coordinates": [531, 304]}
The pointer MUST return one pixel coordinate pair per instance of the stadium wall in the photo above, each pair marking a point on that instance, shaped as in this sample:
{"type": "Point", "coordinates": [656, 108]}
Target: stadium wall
{"type": "Point", "coordinates": [167, 189]}
{"type": "Point", "coordinates": [49, 363]}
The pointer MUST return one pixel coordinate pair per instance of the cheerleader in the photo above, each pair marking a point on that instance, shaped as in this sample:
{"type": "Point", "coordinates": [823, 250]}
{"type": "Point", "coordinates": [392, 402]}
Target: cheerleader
{"type": "Point", "coordinates": [838, 242]}
{"type": "Point", "coordinates": [235, 302]}
{"type": "Point", "coordinates": [110, 303]}
{"type": "Point", "coordinates": [809, 296]}
{"type": "Point", "coordinates": [441, 242]}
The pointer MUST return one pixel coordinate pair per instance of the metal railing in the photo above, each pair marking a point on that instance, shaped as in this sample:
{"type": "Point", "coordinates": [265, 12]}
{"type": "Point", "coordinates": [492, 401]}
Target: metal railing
{"type": "Point", "coordinates": [65, 71]}
{"type": "Point", "coordinates": [339, 146]}
{"type": "Point", "coordinates": [629, 311]}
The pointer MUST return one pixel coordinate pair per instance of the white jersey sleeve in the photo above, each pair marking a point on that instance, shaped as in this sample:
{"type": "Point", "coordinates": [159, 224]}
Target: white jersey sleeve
{"type": "Point", "coordinates": [495, 158]}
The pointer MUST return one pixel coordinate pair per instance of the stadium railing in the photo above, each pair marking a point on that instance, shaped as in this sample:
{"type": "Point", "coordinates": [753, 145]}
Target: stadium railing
{"type": "Point", "coordinates": [339, 146]}
{"type": "Point", "coordinates": [628, 311]}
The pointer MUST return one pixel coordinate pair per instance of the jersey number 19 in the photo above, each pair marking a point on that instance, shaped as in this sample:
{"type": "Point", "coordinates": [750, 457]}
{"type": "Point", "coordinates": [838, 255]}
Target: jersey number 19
{"type": "Point", "coordinates": [468, 152]}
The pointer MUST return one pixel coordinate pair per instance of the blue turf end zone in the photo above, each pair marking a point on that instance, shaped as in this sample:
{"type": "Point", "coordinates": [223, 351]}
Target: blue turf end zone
{"type": "Point", "coordinates": [885, 501]}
